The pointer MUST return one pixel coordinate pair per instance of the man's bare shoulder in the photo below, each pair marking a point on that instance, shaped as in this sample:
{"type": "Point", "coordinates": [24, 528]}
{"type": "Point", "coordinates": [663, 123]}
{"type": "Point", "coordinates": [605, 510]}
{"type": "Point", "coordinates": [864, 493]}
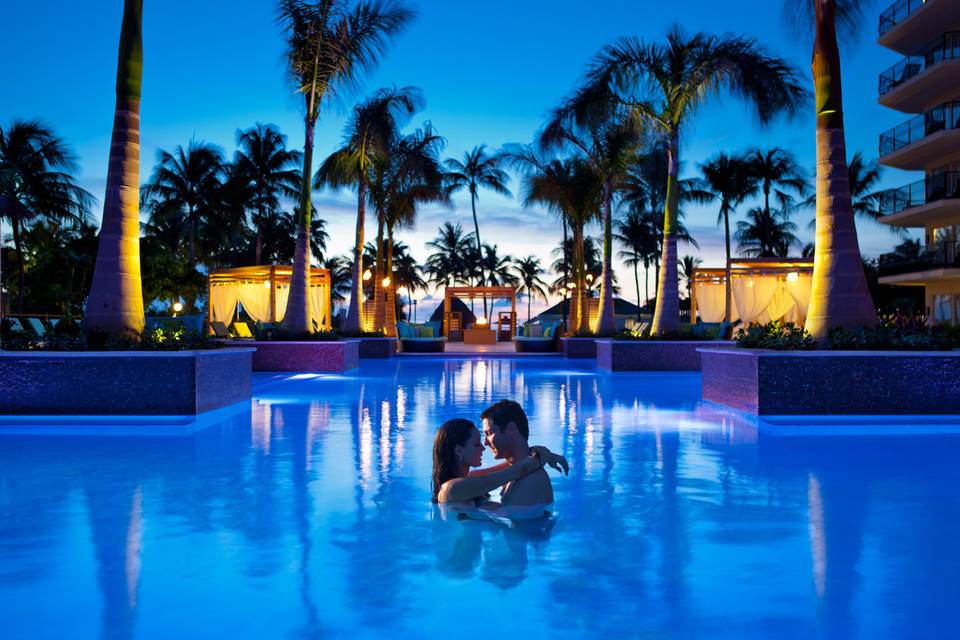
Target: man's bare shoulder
{"type": "Point", "coordinates": [534, 488]}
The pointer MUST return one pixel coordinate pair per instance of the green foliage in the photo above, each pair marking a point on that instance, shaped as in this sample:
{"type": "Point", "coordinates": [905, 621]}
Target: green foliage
{"type": "Point", "coordinates": [278, 334]}
{"type": "Point", "coordinates": [681, 335]}
{"type": "Point", "coordinates": [67, 336]}
{"type": "Point", "coordinates": [895, 333]}
{"type": "Point", "coordinates": [777, 336]}
{"type": "Point", "coordinates": [168, 275]}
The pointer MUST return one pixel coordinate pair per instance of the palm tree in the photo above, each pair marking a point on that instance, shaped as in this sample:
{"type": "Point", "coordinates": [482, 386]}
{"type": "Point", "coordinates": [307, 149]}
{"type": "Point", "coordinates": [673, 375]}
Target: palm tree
{"type": "Point", "coordinates": [863, 178]}
{"type": "Point", "coordinates": [570, 188]}
{"type": "Point", "coordinates": [406, 272]}
{"type": "Point", "coordinates": [730, 180]}
{"type": "Point", "coordinates": [777, 174]}
{"type": "Point", "coordinates": [330, 43]}
{"type": "Point", "coordinates": [638, 234]}
{"type": "Point", "coordinates": [478, 169]}
{"type": "Point", "coordinates": [663, 85]}
{"type": "Point", "coordinates": [447, 265]}
{"type": "Point", "coordinates": [608, 143]}
{"type": "Point", "coordinates": [839, 294]}
{"type": "Point", "coordinates": [528, 271]}
{"type": "Point", "coordinates": [408, 176]}
{"type": "Point", "coordinates": [115, 304]}
{"type": "Point", "coordinates": [372, 130]}
{"type": "Point", "coordinates": [184, 188]}
{"type": "Point", "coordinates": [766, 235]}
{"type": "Point", "coordinates": [688, 266]}
{"type": "Point", "coordinates": [263, 158]}
{"type": "Point", "coordinates": [339, 268]}
{"type": "Point", "coordinates": [36, 181]}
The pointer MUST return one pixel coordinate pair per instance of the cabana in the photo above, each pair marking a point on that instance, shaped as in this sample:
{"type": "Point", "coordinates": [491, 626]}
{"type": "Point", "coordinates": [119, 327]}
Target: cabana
{"type": "Point", "coordinates": [763, 290]}
{"type": "Point", "coordinates": [262, 291]}
{"type": "Point", "coordinates": [479, 334]}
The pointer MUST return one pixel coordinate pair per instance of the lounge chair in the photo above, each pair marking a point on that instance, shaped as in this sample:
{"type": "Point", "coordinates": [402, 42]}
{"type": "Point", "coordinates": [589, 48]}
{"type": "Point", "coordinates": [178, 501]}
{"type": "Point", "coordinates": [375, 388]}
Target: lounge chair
{"type": "Point", "coordinates": [13, 325]}
{"type": "Point", "coordinates": [241, 330]}
{"type": "Point", "coordinates": [543, 344]}
{"type": "Point", "coordinates": [411, 341]}
{"type": "Point", "coordinates": [37, 327]}
{"type": "Point", "coordinates": [219, 329]}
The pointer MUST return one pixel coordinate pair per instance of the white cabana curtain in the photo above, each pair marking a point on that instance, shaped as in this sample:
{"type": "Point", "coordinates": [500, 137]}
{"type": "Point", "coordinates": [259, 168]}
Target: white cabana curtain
{"type": "Point", "coordinates": [799, 290]}
{"type": "Point", "coordinates": [752, 296]}
{"type": "Point", "coordinates": [780, 305]}
{"type": "Point", "coordinates": [283, 294]}
{"type": "Point", "coordinates": [223, 302]}
{"type": "Point", "coordinates": [710, 301]}
{"type": "Point", "coordinates": [318, 305]}
{"type": "Point", "coordinates": [255, 299]}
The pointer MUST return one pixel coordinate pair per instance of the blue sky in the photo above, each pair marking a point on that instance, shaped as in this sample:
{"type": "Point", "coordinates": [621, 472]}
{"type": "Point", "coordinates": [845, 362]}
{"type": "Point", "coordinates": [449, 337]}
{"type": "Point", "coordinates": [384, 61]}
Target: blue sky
{"type": "Point", "coordinates": [490, 71]}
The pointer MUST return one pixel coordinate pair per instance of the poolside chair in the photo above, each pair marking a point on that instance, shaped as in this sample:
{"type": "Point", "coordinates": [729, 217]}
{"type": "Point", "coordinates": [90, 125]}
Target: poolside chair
{"type": "Point", "coordinates": [219, 329]}
{"type": "Point", "coordinates": [13, 325]}
{"type": "Point", "coordinates": [544, 344]}
{"type": "Point", "coordinates": [37, 327]}
{"type": "Point", "coordinates": [241, 330]}
{"type": "Point", "coordinates": [412, 341]}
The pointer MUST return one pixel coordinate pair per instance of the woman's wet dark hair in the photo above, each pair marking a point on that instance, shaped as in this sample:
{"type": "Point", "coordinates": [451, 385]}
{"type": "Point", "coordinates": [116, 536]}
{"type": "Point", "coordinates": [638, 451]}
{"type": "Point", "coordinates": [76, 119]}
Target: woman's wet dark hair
{"type": "Point", "coordinates": [451, 434]}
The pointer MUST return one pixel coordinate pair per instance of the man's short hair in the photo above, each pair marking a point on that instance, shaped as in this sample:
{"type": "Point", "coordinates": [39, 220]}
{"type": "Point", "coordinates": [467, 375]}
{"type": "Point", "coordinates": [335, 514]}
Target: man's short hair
{"type": "Point", "coordinates": [506, 411]}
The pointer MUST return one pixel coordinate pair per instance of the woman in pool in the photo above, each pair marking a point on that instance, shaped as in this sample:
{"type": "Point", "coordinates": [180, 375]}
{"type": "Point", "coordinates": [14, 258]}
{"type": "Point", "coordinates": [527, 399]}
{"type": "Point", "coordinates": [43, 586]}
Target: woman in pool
{"type": "Point", "coordinates": [458, 447]}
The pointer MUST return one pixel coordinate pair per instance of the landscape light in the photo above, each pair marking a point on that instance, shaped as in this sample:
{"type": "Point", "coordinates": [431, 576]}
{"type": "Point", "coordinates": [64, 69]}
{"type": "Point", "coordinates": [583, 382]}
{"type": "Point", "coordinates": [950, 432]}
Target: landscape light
{"type": "Point", "coordinates": [177, 307]}
{"type": "Point", "coordinates": [481, 321]}
{"type": "Point", "coordinates": [367, 275]}
{"type": "Point", "coordinates": [386, 282]}
{"type": "Point", "coordinates": [402, 291]}
{"type": "Point", "coordinates": [589, 277]}
{"type": "Point", "coordinates": [792, 276]}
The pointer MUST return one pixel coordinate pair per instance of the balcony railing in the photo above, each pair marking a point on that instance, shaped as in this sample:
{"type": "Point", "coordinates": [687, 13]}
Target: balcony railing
{"type": "Point", "coordinates": [939, 255]}
{"type": "Point", "coordinates": [940, 186]}
{"type": "Point", "coordinates": [897, 13]}
{"type": "Point", "coordinates": [946, 116]}
{"type": "Point", "coordinates": [946, 47]}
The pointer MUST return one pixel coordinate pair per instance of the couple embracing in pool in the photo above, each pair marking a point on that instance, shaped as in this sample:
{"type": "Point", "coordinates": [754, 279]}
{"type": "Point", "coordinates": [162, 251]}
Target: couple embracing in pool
{"type": "Point", "coordinates": [523, 481]}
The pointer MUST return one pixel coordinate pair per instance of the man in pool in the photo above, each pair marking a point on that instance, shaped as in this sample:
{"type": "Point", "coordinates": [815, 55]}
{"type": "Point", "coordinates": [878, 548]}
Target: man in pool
{"type": "Point", "coordinates": [506, 431]}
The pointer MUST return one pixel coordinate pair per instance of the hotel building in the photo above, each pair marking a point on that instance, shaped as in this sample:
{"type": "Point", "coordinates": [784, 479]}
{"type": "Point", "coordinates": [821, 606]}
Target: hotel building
{"type": "Point", "coordinates": [925, 84]}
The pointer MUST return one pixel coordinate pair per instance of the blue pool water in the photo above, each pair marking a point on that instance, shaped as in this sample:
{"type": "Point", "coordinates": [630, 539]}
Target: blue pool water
{"type": "Point", "coordinates": [308, 516]}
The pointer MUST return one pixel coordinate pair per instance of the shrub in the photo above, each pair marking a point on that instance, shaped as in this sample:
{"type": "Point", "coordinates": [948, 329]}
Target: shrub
{"type": "Point", "coordinates": [895, 333]}
{"type": "Point", "coordinates": [68, 336]}
{"type": "Point", "coordinates": [277, 334]}
{"type": "Point", "coordinates": [775, 335]}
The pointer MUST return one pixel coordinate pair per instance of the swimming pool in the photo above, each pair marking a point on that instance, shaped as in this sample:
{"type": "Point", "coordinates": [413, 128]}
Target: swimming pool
{"type": "Point", "coordinates": [308, 516]}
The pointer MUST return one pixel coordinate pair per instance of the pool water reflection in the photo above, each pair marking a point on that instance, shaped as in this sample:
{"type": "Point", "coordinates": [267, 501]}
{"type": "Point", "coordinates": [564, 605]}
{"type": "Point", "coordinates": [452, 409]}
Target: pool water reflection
{"type": "Point", "coordinates": [309, 516]}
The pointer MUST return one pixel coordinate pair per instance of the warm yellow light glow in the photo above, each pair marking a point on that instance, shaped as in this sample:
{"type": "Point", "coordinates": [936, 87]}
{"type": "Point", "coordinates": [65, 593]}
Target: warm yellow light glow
{"type": "Point", "coordinates": [749, 284]}
{"type": "Point", "coordinates": [481, 321]}
{"type": "Point", "coordinates": [367, 275]}
{"type": "Point", "coordinates": [402, 291]}
{"type": "Point", "coordinates": [572, 285]}
{"type": "Point", "coordinates": [589, 277]}
{"type": "Point", "coordinates": [177, 307]}
{"type": "Point", "coordinates": [792, 276]}
{"type": "Point", "coordinates": [386, 282]}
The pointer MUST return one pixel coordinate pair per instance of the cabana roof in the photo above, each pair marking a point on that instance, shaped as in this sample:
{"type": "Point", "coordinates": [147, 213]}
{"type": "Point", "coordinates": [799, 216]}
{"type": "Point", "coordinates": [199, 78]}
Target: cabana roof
{"type": "Point", "coordinates": [762, 290]}
{"type": "Point", "coordinates": [262, 291]}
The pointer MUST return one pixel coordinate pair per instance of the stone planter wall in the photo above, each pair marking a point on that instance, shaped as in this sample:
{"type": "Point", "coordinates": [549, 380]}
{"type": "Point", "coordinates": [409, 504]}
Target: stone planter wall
{"type": "Point", "coordinates": [653, 355]}
{"type": "Point", "coordinates": [376, 347]}
{"type": "Point", "coordinates": [833, 382]}
{"type": "Point", "coordinates": [578, 347]}
{"type": "Point", "coordinates": [303, 356]}
{"type": "Point", "coordinates": [123, 382]}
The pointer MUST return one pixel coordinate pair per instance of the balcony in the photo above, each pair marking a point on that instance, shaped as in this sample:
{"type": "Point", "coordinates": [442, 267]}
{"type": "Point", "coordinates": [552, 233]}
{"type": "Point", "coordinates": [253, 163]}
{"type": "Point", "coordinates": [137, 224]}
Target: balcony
{"type": "Point", "coordinates": [929, 264]}
{"type": "Point", "coordinates": [935, 199]}
{"type": "Point", "coordinates": [907, 24]}
{"type": "Point", "coordinates": [924, 142]}
{"type": "Point", "coordinates": [926, 78]}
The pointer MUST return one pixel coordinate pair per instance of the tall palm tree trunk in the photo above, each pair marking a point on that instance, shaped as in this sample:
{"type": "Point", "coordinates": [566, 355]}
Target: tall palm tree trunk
{"type": "Point", "coordinates": [839, 296]}
{"type": "Point", "coordinates": [646, 283]}
{"type": "Point", "coordinates": [296, 319]}
{"type": "Point", "coordinates": [576, 299]}
{"type": "Point", "coordinates": [21, 276]}
{"type": "Point", "coordinates": [636, 281]}
{"type": "Point", "coordinates": [606, 322]}
{"type": "Point", "coordinates": [115, 304]}
{"type": "Point", "coordinates": [666, 315]}
{"type": "Point", "coordinates": [728, 286]}
{"type": "Point", "coordinates": [258, 243]}
{"type": "Point", "coordinates": [476, 229]}
{"type": "Point", "coordinates": [354, 320]}
{"type": "Point", "coordinates": [380, 270]}
{"type": "Point", "coordinates": [390, 298]}
{"type": "Point", "coordinates": [191, 232]}
{"type": "Point", "coordinates": [566, 270]}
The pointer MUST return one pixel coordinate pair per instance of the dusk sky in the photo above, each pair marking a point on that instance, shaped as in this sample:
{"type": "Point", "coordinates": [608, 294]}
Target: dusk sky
{"type": "Point", "coordinates": [489, 71]}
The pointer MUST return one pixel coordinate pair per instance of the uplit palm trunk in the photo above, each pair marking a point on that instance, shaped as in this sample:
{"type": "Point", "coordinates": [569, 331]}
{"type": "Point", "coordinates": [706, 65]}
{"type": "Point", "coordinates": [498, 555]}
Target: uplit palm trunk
{"type": "Point", "coordinates": [728, 286]}
{"type": "Point", "coordinates": [390, 299]}
{"type": "Point", "coordinates": [296, 319]}
{"type": "Point", "coordinates": [115, 304]}
{"type": "Point", "coordinates": [379, 309]}
{"type": "Point", "coordinates": [606, 321]}
{"type": "Point", "coordinates": [21, 276]}
{"type": "Point", "coordinates": [354, 321]}
{"type": "Point", "coordinates": [576, 299]}
{"type": "Point", "coordinates": [666, 314]}
{"type": "Point", "coordinates": [839, 296]}
{"type": "Point", "coordinates": [566, 271]}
